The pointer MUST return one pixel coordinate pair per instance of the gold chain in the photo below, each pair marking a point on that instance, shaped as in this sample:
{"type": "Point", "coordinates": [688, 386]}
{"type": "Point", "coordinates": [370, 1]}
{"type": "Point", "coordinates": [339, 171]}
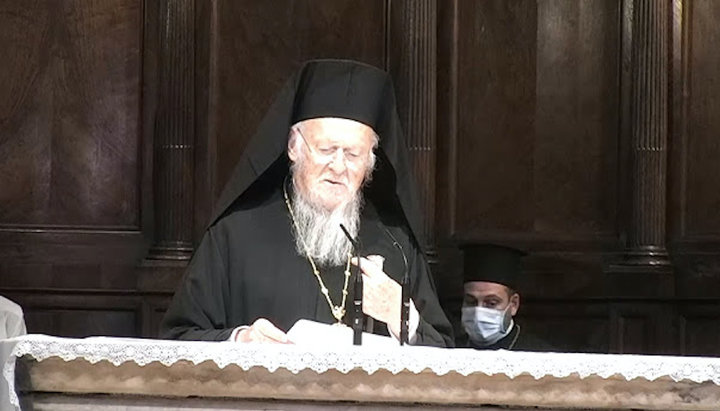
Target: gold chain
{"type": "Point", "coordinates": [512, 344]}
{"type": "Point", "coordinates": [338, 311]}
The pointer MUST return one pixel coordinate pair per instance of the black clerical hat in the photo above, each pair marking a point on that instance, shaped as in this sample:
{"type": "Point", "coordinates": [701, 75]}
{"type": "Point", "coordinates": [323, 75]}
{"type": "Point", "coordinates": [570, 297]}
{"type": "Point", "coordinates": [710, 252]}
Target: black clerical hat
{"type": "Point", "coordinates": [338, 88]}
{"type": "Point", "coordinates": [492, 263]}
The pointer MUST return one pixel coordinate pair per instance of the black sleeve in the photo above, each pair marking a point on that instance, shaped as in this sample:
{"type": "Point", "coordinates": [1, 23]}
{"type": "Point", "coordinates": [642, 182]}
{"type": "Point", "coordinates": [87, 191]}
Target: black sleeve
{"type": "Point", "coordinates": [198, 309]}
{"type": "Point", "coordinates": [434, 328]}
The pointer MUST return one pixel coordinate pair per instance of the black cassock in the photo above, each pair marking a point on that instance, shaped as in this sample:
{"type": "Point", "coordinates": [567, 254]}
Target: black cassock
{"type": "Point", "coordinates": [246, 266]}
{"type": "Point", "coordinates": [517, 340]}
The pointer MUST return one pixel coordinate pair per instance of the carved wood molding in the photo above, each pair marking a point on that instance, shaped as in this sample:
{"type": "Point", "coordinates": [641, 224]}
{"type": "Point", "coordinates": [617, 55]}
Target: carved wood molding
{"type": "Point", "coordinates": [649, 44]}
{"type": "Point", "coordinates": [412, 60]}
{"type": "Point", "coordinates": [174, 140]}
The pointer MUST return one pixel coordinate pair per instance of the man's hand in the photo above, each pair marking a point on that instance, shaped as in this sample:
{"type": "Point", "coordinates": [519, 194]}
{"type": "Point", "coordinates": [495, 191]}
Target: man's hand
{"type": "Point", "coordinates": [262, 331]}
{"type": "Point", "coordinates": [381, 295]}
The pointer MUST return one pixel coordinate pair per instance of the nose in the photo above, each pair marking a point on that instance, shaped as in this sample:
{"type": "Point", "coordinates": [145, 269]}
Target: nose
{"type": "Point", "coordinates": [337, 163]}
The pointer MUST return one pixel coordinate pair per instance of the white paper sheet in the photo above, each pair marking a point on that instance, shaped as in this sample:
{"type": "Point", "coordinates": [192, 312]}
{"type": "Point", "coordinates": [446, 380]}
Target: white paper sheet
{"type": "Point", "coordinates": [315, 334]}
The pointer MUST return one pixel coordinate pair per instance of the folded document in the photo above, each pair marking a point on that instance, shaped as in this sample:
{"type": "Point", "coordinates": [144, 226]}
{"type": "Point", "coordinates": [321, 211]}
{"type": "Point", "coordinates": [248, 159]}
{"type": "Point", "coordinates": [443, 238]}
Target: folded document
{"type": "Point", "coordinates": [312, 333]}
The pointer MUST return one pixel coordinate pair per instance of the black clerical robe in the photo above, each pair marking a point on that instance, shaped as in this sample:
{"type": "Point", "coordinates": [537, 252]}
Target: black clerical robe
{"type": "Point", "coordinates": [517, 340]}
{"type": "Point", "coordinates": [247, 267]}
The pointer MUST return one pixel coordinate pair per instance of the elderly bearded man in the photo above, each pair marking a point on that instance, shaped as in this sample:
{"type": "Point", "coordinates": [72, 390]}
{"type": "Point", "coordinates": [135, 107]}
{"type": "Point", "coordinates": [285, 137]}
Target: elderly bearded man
{"type": "Point", "coordinates": [330, 151]}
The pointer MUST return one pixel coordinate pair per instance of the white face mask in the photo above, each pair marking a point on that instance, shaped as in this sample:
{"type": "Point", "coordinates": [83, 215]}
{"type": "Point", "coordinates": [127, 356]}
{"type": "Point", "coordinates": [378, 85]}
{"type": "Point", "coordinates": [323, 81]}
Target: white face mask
{"type": "Point", "coordinates": [486, 326]}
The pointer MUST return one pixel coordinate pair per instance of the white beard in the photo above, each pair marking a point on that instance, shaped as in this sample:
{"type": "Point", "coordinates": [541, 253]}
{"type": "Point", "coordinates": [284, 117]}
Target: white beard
{"type": "Point", "coordinates": [317, 231]}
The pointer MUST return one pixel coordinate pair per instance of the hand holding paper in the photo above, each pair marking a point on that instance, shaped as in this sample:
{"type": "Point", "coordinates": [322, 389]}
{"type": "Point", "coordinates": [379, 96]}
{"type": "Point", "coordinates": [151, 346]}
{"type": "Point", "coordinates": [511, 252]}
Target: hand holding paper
{"type": "Point", "coordinates": [262, 331]}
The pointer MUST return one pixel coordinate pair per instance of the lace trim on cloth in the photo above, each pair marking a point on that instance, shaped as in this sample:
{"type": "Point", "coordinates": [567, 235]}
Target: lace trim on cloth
{"type": "Point", "coordinates": [344, 359]}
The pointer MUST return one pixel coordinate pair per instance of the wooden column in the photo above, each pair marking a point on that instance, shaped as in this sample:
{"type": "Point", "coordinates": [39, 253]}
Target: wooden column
{"type": "Point", "coordinates": [173, 147]}
{"type": "Point", "coordinates": [649, 132]}
{"type": "Point", "coordinates": [412, 60]}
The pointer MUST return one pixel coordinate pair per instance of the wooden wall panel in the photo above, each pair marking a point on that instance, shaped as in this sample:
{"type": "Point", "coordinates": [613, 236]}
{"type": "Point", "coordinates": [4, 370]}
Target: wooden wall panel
{"type": "Point", "coordinates": [496, 116]}
{"type": "Point", "coordinates": [701, 194]}
{"type": "Point", "coordinates": [259, 45]}
{"type": "Point", "coordinates": [81, 313]}
{"type": "Point", "coordinates": [702, 336]}
{"type": "Point", "coordinates": [633, 332]}
{"type": "Point", "coordinates": [71, 166]}
{"type": "Point", "coordinates": [699, 328]}
{"type": "Point", "coordinates": [642, 326]}
{"type": "Point", "coordinates": [694, 222]}
{"type": "Point", "coordinates": [567, 325]}
{"type": "Point", "coordinates": [537, 132]}
{"type": "Point", "coordinates": [697, 273]}
{"type": "Point", "coordinates": [70, 113]}
{"type": "Point", "coordinates": [82, 323]}
{"type": "Point", "coordinates": [575, 156]}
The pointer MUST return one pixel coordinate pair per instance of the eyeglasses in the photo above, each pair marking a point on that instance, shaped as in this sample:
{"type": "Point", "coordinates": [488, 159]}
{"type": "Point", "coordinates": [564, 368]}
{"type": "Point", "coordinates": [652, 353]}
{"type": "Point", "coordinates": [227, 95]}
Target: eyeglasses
{"type": "Point", "coordinates": [353, 158]}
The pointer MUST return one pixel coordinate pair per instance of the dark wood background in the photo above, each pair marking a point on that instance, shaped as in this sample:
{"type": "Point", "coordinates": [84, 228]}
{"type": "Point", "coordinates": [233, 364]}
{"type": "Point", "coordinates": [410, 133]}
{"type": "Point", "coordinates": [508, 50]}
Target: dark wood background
{"type": "Point", "coordinates": [585, 132]}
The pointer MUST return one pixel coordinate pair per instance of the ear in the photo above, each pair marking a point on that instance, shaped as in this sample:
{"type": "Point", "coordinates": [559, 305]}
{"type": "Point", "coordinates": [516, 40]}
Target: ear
{"type": "Point", "coordinates": [292, 146]}
{"type": "Point", "coordinates": [514, 304]}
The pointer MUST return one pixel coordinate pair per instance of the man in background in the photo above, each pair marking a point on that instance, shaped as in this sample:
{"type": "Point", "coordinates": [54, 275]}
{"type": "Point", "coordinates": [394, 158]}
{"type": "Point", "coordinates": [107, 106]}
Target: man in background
{"type": "Point", "coordinates": [491, 300]}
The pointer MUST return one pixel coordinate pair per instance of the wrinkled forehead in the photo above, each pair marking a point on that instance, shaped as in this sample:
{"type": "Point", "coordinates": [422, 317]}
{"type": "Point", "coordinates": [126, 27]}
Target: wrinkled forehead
{"type": "Point", "coordinates": [481, 289]}
{"type": "Point", "coordinates": [337, 130]}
